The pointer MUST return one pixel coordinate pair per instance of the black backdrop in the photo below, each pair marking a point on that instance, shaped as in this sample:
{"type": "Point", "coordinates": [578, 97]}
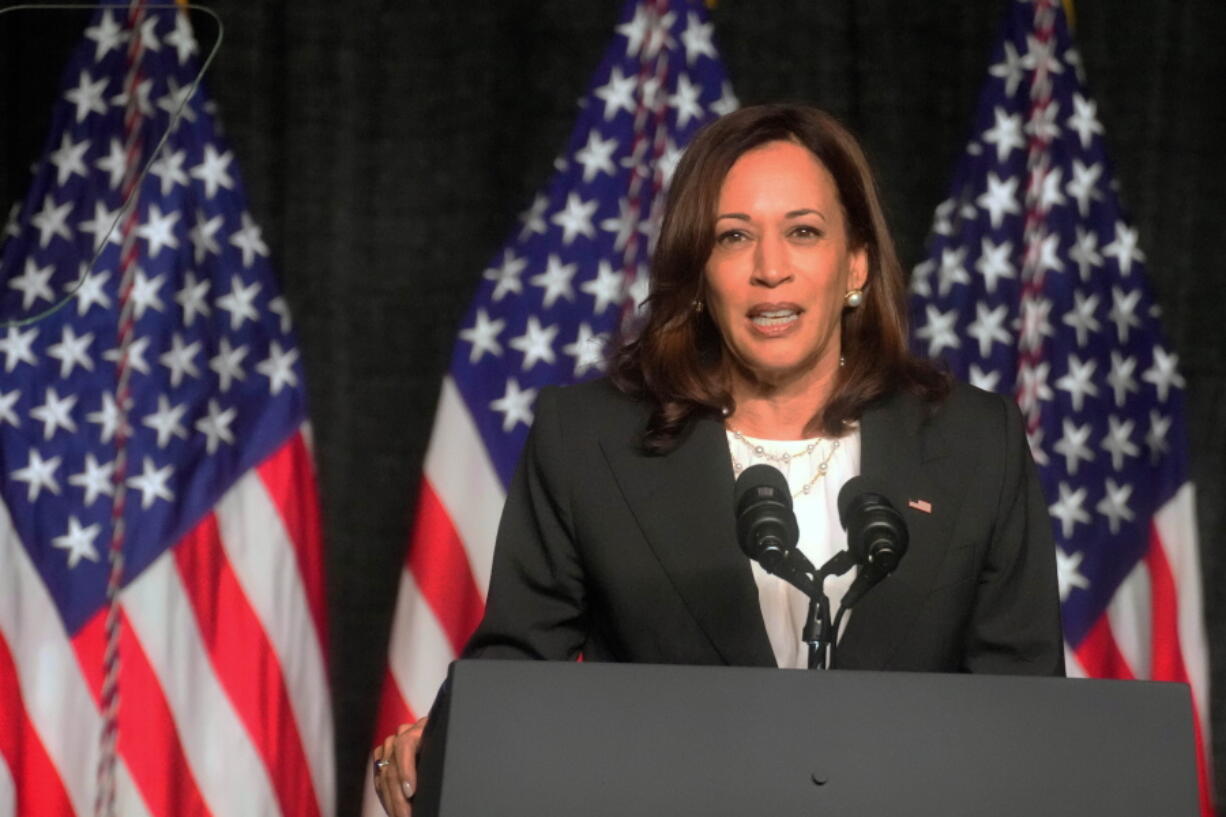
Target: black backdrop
{"type": "Point", "coordinates": [387, 146]}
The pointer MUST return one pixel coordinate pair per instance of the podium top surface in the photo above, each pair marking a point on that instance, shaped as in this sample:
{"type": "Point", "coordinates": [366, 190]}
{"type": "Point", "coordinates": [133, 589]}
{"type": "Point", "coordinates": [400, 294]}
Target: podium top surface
{"type": "Point", "coordinates": [538, 738]}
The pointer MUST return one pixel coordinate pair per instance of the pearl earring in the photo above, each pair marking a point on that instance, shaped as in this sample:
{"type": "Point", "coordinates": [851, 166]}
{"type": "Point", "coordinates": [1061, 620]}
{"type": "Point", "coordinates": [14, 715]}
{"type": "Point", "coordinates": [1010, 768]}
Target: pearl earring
{"type": "Point", "coordinates": [853, 298]}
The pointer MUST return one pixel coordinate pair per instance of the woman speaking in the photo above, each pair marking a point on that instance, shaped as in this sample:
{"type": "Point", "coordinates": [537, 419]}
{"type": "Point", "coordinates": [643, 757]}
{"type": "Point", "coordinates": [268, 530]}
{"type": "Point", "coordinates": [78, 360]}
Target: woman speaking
{"type": "Point", "coordinates": [775, 334]}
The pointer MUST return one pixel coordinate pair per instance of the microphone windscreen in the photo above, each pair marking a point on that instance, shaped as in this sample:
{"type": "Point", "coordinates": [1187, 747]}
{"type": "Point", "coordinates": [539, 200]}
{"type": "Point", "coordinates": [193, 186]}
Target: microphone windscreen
{"type": "Point", "coordinates": [853, 489]}
{"type": "Point", "coordinates": [759, 481]}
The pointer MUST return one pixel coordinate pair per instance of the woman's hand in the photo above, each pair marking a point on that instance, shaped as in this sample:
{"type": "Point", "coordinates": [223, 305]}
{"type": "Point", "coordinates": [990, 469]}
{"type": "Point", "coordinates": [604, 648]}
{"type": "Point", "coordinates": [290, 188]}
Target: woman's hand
{"type": "Point", "coordinates": [395, 769]}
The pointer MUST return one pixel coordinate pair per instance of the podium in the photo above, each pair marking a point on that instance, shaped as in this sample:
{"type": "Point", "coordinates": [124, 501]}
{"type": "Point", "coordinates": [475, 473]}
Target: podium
{"type": "Point", "coordinates": [516, 738]}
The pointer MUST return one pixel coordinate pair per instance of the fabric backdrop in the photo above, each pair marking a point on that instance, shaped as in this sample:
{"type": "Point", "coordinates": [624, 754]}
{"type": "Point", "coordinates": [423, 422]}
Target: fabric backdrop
{"type": "Point", "coordinates": [387, 147]}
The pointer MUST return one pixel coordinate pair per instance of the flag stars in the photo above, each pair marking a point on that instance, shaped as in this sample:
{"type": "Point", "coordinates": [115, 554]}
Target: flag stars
{"type": "Point", "coordinates": [587, 350]}
{"type": "Point", "coordinates": [696, 39]}
{"type": "Point", "coordinates": [167, 421]}
{"type": "Point", "coordinates": [1120, 377]}
{"type": "Point", "coordinates": [1005, 134]}
{"type": "Point", "coordinates": [34, 284]}
{"type": "Point", "coordinates": [1085, 252]}
{"type": "Point", "coordinates": [107, 418]}
{"type": "Point", "coordinates": [87, 96]}
{"type": "Point", "coordinates": [1163, 373]}
{"type": "Point", "coordinates": [1009, 69]}
{"type": "Point", "coordinates": [107, 35]}
{"type": "Point", "coordinates": [78, 541]}
{"type": "Point", "coordinates": [939, 330]}
{"type": "Point", "coordinates": [1124, 311]}
{"type": "Point", "coordinates": [1042, 124]}
{"type": "Point", "coordinates": [69, 159]}
{"type": "Point", "coordinates": [952, 269]}
{"type": "Point", "coordinates": [993, 263]}
{"type": "Point", "coordinates": [240, 302]}
{"type": "Point", "coordinates": [169, 170]}
{"type": "Point", "coordinates": [1032, 387]}
{"type": "Point", "coordinates": [178, 99]}
{"type": "Point", "coordinates": [280, 307]}
{"type": "Point", "coordinates": [1085, 119]}
{"type": "Point", "coordinates": [515, 405]}
{"type": "Point", "coordinates": [1118, 441]}
{"type": "Point", "coordinates": [55, 413]}
{"type": "Point", "coordinates": [622, 225]}
{"type": "Point", "coordinates": [1124, 248]}
{"type": "Point", "coordinates": [141, 104]}
{"type": "Point", "coordinates": [146, 293]}
{"type": "Point", "coordinates": [1068, 509]}
{"type": "Point", "coordinates": [506, 275]}
{"type": "Point", "coordinates": [483, 335]}
{"type": "Point", "coordinates": [1078, 381]}
{"type": "Point", "coordinates": [249, 241]}
{"type": "Point", "coordinates": [38, 474]}
{"type": "Point", "coordinates": [151, 483]}
{"type": "Point", "coordinates": [96, 480]}
{"type": "Point", "coordinates": [617, 93]}
{"type": "Point", "coordinates": [278, 367]}
{"type": "Point", "coordinates": [228, 364]}
{"type": "Point", "coordinates": [1000, 199]}
{"type": "Point", "coordinates": [536, 344]}
{"type": "Point", "coordinates": [114, 163]}
{"type": "Point", "coordinates": [181, 39]}
{"type": "Point", "coordinates": [986, 380]}
{"type": "Point", "coordinates": [135, 355]}
{"type": "Point", "coordinates": [1084, 185]}
{"type": "Point", "coordinates": [648, 32]}
{"type": "Point", "coordinates": [988, 327]}
{"type": "Point", "coordinates": [180, 359]}
{"type": "Point", "coordinates": [17, 347]}
{"type": "Point", "coordinates": [1041, 56]}
{"type": "Point", "coordinates": [1068, 571]}
{"type": "Point", "coordinates": [7, 401]}
{"type": "Point", "coordinates": [203, 236]}
{"type": "Point", "coordinates": [213, 171]}
{"type": "Point", "coordinates": [685, 101]}
{"type": "Point", "coordinates": [72, 351]}
{"type": "Point", "coordinates": [52, 221]}
{"type": "Point", "coordinates": [215, 426]}
{"type": "Point", "coordinates": [1114, 505]}
{"type": "Point", "coordinates": [100, 226]}
{"type": "Point", "coordinates": [727, 102]}
{"type": "Point", "coordinates": [193, 298]}
{"type": "Point", "coordinates": [575, 218]}
{"type": "Point", "coordinates": [533, 218]}
{"type": "Point", "coordinates": [1073, 445]}
{"type": "Point", "coordinates": [597, 156]}
{"type": "Point", "coordinates": [555, 280]}
{"type": "Point", "coordinates": [159, 230]}
{"type": "Point", "coordinates": [606, 287]}
{"type": "Point", "coordinates": [1051, 192]}
{"type": "Point", "coordinates": [1035, 323]}
{"type": "Point", "coordinates": [1155, 438]}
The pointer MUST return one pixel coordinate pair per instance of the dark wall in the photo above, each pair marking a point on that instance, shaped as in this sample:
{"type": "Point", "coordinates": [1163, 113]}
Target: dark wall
{"type": "Point", "coordinates": [387, 147]}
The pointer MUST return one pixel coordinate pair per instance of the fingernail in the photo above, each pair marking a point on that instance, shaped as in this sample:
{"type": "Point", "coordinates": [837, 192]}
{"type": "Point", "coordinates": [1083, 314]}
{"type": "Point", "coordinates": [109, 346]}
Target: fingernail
{"type": "Point", "coordinates": [407, 788]}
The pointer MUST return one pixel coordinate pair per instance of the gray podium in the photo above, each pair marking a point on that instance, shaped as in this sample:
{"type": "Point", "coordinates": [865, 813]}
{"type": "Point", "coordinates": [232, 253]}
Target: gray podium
{"type": "Point", "coordinates": [535, 738]}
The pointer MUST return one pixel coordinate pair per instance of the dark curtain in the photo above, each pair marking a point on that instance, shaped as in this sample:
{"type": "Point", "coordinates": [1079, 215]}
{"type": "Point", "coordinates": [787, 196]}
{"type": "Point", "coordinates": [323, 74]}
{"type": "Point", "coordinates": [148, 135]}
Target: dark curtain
{"type": "Point", "coordinates": [387, 147]}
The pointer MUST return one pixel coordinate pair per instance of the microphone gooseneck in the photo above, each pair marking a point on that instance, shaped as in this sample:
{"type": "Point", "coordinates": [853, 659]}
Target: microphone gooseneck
{"type": "Point", "coordinates": [876, 534]}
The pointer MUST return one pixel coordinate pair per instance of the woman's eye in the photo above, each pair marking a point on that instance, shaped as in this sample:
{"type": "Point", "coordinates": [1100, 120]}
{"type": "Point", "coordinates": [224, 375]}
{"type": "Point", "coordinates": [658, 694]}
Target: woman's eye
{"type": "Point", "coordinates": [731, 237]}
{"type": "Point", "coordinates": [805, 231]}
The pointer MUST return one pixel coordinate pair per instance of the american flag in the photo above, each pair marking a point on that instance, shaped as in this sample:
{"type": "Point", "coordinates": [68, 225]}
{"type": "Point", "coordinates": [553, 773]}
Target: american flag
{"type": "Point", "coordinates": [1035, 284]}
{"type": "Point", "coordinates": [572, 269]}
{"type": "Point", "coordinates": [156, 424]}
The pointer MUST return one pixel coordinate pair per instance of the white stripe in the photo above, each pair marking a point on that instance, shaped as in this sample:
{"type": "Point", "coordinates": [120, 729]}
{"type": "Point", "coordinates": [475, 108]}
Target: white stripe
{"type": "Point", "coordinates": [1072, 667]}
{"type": "Point", "coordinates": [1130, 619]}
{"type": "Point", "coordinates": [263, 558]}
{"type": "Point", "coordinates": [57, 701]}
{"type": "Point", "coordinates": [460, 471]}
{"type": "Point", "coordinates": [229, 771]}
{"type": "Point", "coordinates": [8, 791]}
{"type": "Point", "coordinates": [1175, 523]}
{"type": "Point", "coordinates": [419, 651]}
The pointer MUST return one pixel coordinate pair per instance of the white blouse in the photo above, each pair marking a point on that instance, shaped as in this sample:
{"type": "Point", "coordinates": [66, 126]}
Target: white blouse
{"type": "Point", "coordinates": [784, 608]}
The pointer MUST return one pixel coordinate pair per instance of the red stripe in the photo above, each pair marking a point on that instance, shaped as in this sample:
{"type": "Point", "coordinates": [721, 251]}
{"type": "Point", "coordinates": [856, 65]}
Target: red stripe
{"type": "Point", "coordinates": [440, 568]}
{"type": "Point", "coordinates": [40, 790]}
{"type": "Point", "coordinates": [1168, 662]}
{"type": "Point", "coordinates": [148, 740]}
{"type": "Point", "coordinates": [246, 665]}
{"type": "Point", "coordinates": [1100, 655]}
{"type": "Point", "coordinates": [393, 709]}
{"type": "Point", "coordinates": [289, 477]}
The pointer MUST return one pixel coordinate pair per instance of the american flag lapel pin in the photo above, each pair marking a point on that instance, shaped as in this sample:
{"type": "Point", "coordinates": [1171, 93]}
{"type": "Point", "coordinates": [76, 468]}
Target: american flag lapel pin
{"type": "Point", "coordinates": [921, 505]}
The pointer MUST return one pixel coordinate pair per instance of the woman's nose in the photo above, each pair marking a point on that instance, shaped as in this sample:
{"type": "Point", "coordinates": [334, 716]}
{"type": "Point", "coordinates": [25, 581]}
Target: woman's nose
{"type": "Point", "coordinates": [770, 263]}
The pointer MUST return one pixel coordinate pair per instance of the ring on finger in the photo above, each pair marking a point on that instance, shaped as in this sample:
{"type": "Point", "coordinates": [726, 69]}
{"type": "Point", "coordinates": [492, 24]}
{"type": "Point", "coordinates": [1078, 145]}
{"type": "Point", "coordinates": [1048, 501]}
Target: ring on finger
{"type": "Point", "coordinates": [380, 764]}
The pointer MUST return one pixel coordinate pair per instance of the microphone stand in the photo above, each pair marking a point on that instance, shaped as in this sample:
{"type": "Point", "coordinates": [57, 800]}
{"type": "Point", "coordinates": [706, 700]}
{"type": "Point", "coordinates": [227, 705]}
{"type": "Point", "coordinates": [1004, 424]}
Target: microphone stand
{"type": "Point", "coordinates": [817, 633]}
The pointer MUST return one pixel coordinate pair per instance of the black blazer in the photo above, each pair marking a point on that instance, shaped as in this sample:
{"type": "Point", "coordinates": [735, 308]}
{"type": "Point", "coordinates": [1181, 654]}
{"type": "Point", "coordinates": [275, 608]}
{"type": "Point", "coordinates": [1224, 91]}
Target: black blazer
{"type": "Point", "coordinates": [620, 555]}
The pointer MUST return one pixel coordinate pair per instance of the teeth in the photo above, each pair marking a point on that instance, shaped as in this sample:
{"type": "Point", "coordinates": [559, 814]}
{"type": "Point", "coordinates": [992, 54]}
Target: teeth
{"type": "Point", "coordinates": [777, 317]}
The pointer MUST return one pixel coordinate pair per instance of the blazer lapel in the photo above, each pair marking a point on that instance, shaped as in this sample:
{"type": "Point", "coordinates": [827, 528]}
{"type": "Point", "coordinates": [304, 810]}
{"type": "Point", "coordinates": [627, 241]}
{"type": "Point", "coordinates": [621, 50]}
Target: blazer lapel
{"type": "Point", "coordinates": [904, 456]}
{"type": "Point", "coordinates": [683, 504]}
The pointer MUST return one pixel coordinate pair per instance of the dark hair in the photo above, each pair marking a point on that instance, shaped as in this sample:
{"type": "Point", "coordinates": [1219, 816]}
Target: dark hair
{"type": "Point", "coordinates": [678, 361]}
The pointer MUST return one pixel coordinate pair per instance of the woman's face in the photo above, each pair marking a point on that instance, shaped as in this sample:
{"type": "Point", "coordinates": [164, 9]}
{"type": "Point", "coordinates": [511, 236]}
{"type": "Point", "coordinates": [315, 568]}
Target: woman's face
{"type": "Point", "coordinates": [781, 264]}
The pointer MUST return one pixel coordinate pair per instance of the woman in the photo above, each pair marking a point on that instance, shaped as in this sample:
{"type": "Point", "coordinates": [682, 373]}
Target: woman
{"type": "Point", "coordinates": [776, 334]}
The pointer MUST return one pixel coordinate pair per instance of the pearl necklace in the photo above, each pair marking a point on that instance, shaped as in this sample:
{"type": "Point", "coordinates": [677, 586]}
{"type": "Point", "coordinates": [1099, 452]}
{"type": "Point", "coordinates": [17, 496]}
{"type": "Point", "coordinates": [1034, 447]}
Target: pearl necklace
{"type": "Point", "coordinates": [786, 458]}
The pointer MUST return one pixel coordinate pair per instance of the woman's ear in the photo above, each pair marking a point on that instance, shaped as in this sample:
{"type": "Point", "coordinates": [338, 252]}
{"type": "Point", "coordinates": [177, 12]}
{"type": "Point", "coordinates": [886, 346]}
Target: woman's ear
{"type": "Point", "coordinates": [858, 269]}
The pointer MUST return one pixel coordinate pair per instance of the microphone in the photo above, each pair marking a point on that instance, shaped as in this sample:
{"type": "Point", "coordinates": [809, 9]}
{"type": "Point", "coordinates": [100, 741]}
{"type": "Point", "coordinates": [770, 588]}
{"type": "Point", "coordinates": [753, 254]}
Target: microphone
{"type": "Point", "coordinates": [876, 535]}
{"type": "Point", "coordinates": [766, 527]}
